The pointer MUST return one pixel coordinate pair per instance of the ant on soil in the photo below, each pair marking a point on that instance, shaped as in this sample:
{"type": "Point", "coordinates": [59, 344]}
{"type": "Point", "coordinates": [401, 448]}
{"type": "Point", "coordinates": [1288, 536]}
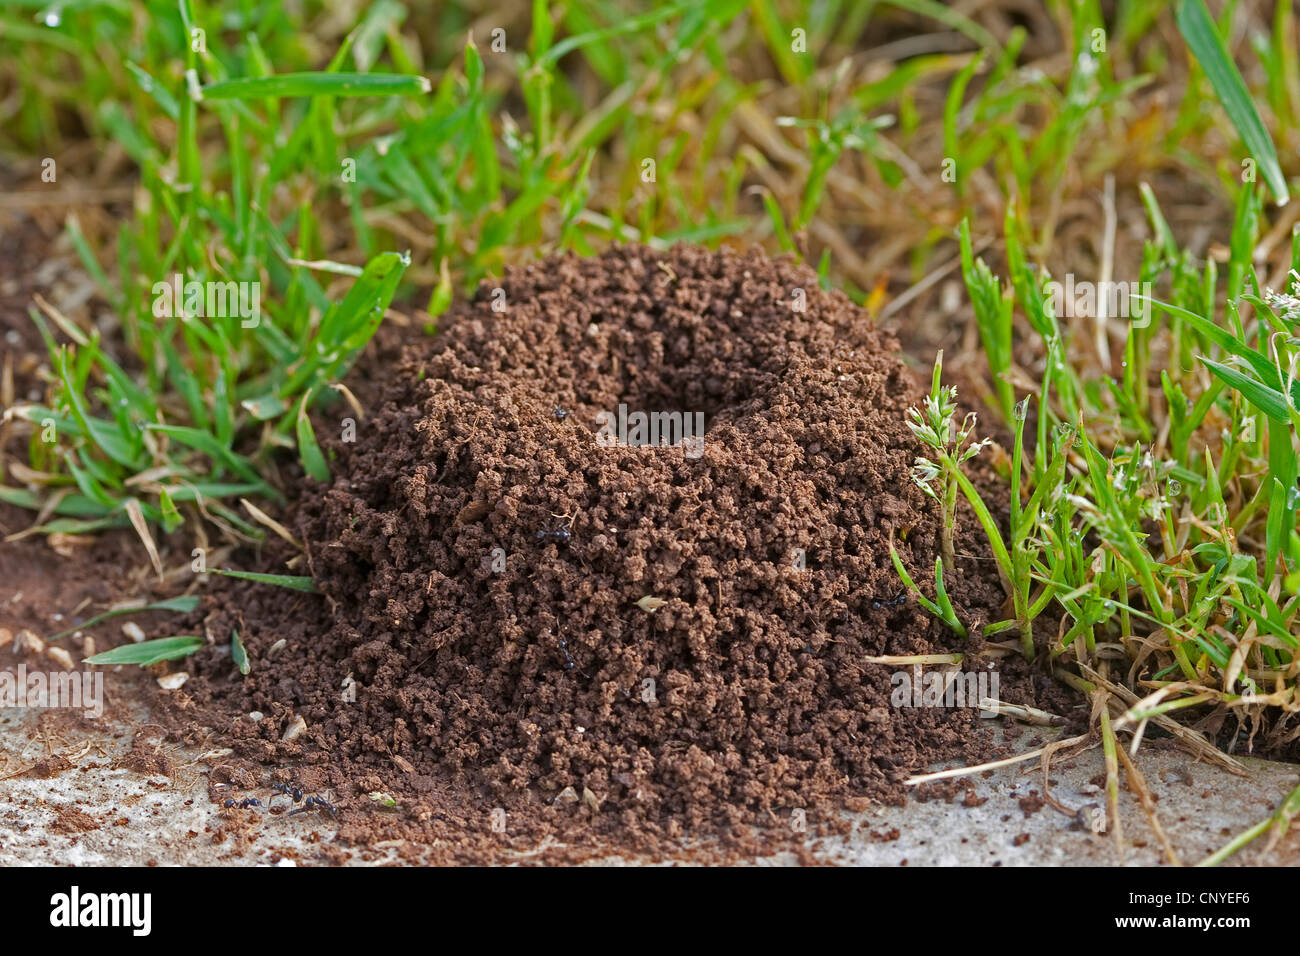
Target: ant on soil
{"type": "Point", "coordinates": [243, 804]}
{"type": "Point", "coordinates": [562, 535]}
{"type": "Point", "coordinates": [564, 646]}
{"type": "Point", "coordinates": [877, 604]}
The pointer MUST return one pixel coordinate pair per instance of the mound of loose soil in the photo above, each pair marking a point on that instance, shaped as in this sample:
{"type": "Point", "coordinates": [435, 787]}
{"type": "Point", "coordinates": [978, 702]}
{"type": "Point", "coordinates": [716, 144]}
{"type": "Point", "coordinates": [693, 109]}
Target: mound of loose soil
{"type": "Point", "coordinates": [486, 561]}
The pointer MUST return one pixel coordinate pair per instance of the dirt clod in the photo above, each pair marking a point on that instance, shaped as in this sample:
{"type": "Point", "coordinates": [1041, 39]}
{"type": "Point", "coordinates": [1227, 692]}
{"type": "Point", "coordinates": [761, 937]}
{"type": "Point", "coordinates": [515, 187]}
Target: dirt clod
{"type": "Point", "coordinates": [73, 820]}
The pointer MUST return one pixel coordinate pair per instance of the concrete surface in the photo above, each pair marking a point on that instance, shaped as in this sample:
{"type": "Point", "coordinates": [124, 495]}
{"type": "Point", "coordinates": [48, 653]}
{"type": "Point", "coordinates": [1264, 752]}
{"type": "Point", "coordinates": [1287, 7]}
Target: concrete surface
{"type": "Point", "coordinates": [126, 817]}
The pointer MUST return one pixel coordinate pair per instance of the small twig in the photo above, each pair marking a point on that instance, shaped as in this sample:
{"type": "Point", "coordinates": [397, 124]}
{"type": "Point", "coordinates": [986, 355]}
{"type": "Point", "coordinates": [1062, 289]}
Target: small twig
{"type": "Point", "coordinates": [1109, 750]}
{"type": "Point", "coordinates": [906, 659]}
{"type": "Point", "coordinates": [1138, 784]}
{"type": "Point", "coordinates": [996, 764]}
{"type": "Point", "coordinates": [1022, 712]}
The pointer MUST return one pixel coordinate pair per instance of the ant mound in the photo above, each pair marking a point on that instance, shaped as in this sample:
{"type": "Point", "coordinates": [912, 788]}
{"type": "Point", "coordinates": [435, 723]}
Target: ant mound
{"type": "Point", "coordinates": [611, 552]}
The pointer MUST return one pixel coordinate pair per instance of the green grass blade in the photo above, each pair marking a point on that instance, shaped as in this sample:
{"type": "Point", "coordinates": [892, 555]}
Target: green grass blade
{"type": "Point", "coordinates": [149, 652]}
{"type": "Point", "coordinates": [290, 581]}
{"type": "Point", "coordinates": [1268, 400]}
{"type": "Point", "coordinates": [1202, 36]}
{"type": "Point", "coordinates": [313, 462]}
{"type": "Point", "coordinates": [206, 443]}
{"type": "Point", "coordinates": [317, 84]}
{"type": "Point", "coordinates": [238, 654]}
{"type": "Point", "coordinates": [1223, 339]}
{"type": "Point", "coordinates": [180, 605]}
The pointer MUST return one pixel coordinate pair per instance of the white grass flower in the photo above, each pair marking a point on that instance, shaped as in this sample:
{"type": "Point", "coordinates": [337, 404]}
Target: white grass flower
{"type": "Point", "coordinates": [925, 473]}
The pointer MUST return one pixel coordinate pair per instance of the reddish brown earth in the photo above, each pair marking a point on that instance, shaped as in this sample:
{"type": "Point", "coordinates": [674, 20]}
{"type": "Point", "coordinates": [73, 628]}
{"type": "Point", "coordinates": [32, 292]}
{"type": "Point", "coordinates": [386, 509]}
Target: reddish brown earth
{"type": "Point", "coordinates": [538, 686]}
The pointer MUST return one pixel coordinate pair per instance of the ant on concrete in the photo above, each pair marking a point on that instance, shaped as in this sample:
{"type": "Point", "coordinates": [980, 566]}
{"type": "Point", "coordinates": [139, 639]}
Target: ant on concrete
{"type": "Point", "coordinates": [289, 790]}
{"type": "Point", "coordinates": [315, 803]}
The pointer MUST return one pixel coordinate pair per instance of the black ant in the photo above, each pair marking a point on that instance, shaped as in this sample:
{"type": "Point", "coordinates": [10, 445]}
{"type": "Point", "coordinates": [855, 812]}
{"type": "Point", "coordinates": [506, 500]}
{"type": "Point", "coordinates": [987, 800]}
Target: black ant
{"type": "Point", "coordinates": [244, 804]}
{"type": "Point", "coordinates": [289, 790]}
{"type": "Point", "coordinates": [894, 602]}
{"type": "Point", "coordinates": [564, 647]}
{"type": "Point", "coordinates": [314, 803]}
{"type": "Point", "coordinates": [562, 535]}
{"type": "Point", "coordinates": [561, 414]}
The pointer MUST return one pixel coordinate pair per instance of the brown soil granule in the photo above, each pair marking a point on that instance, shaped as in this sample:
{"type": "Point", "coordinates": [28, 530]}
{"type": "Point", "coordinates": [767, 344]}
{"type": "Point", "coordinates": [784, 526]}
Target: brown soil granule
{"type": "Point", "coordinates": [548, 638]}
{"type": "Point", "coordinates": [1031, 804]}
{"type": "Point", "coordinates": [146, 757]}
{"type": "Point", "coordinates": [73, 820]}
{"type": "Point", "coordinates": [51, 765]}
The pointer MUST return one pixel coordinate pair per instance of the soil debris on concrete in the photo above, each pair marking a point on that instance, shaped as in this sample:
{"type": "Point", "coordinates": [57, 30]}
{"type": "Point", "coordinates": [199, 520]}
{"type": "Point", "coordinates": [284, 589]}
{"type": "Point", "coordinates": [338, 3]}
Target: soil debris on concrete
{"type": "Point", "coordinates": [73, 820]}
